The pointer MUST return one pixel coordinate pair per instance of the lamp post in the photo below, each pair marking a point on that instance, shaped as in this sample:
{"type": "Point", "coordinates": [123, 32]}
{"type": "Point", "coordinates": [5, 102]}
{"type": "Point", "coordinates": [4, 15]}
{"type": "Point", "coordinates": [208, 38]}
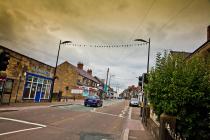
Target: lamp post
{"type": "Point", "coordinates": [111, 75]}
{"type": "Point", "coordinates": [54, 74]}
{"type": "Point", "coordinates": [142, 40]}
{"type": "Point", "coordinates": [143, 109]}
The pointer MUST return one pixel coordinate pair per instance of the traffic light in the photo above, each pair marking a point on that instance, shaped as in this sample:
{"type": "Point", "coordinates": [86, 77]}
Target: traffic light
{"type": "Point", "coordinates": [4, 58]}
{"type": "Point", "coordinates": [140, 81]}
{"type": "Point", "coordinates": [145, 78]}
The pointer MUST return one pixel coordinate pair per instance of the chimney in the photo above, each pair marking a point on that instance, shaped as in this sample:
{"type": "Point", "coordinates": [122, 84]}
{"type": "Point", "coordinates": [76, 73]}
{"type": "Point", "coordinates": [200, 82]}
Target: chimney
{"type": "Point", "coordinates": [89, 71]}
{"type": "Point", "coordinates": [80, 65]}
{"type": "Point", "coordinates": [208, 33]}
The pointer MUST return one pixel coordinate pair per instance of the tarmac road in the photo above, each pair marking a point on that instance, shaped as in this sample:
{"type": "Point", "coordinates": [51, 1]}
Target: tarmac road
{"type": "Point", "coordinates": [70, 122]}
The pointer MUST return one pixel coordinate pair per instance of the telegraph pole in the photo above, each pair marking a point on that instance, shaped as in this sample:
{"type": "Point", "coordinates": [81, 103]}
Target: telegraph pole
{"type": "Point", "coordinates": [106, 87]}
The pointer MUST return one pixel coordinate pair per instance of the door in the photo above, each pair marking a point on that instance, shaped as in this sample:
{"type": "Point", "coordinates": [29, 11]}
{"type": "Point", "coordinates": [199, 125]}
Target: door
{"type": "Point", "coordinates": [38, 93]}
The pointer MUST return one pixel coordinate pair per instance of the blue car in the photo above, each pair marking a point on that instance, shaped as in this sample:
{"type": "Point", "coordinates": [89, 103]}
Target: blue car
{"type": "Point", "coordinates": [93, 101]}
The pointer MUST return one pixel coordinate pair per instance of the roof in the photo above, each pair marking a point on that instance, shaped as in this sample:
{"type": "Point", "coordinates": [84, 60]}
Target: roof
{"type": "Point", "coordinates": [182, 53]}
{"type": "Point", "coordinates": [99, 80]}
{"type": "Point", "coordinates": [25, 56]}
{"type": "Point", "coordinates": [82, 72]}
{"type": "Point", "coordinates": [198, 49]}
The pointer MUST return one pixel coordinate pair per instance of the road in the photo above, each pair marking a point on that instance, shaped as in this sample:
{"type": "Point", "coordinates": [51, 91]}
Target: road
{"type": "Point", "coordinates": [70, 122]}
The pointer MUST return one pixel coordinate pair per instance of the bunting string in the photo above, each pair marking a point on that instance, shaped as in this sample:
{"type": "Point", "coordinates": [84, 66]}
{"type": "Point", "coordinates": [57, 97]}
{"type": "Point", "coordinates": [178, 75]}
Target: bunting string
{"type": "Point", "coordinates": [108, 46]}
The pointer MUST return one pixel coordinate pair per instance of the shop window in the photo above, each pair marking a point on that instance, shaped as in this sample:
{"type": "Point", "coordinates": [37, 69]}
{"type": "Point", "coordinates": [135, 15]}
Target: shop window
{"type": "Point", "coordinates": [37, 85]}
{"type": "Point", "coordinates": [33, 90]}
{"type": "Point", "coordinates": [29, 78]}
{"type": "Point", "coordinates": [45, 81]}
{"type": "Point", "coordinates": [40, 80]}
{"type": "Point", "coordinates": [35, 79]}
{"type": "Point", "coordinates": [47, 93]}
{"type": "Point", "coordinates": [27, 90]}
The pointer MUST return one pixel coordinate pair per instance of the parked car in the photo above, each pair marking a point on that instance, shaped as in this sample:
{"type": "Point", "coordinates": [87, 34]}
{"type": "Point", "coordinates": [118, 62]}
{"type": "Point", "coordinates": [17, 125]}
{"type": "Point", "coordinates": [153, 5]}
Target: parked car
{"type": "Point", "coordinates": [119, 97]}
{"type": "Point", "coordinates": [93, 101]}
{"type": "Point", "coordinates": [134, 102]}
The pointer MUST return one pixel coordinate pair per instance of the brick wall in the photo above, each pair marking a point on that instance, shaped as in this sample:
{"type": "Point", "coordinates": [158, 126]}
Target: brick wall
{"type": "Point", "coordinates": [67, 79]}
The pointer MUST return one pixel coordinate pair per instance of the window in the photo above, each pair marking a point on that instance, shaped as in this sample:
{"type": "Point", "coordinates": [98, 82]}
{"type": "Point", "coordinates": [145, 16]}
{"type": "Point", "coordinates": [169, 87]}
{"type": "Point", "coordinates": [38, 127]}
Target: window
{"type": "Point", "coordinates": [36, 84]}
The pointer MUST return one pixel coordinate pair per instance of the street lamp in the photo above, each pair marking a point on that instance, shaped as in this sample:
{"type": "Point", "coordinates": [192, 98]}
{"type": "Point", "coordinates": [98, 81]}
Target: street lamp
{"type": "Point", "coordinates": [143, 109]}
{"type": "Point", "coordinates": [142, 40]}
{"type": "Point", "coordinates": [110, 81]}
{"type": "Point", "coordinates": [54, 74]}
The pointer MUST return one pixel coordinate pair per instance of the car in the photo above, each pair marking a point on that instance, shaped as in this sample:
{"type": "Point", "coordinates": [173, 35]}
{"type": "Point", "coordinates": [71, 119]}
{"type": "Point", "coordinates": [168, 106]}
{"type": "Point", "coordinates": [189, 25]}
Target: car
{"type": "Point", "coordinates": [134, 102]}
{"type": "Point", "coordinates": [119, 97]}
{"type": "Point", "coordinates": [93, 101]}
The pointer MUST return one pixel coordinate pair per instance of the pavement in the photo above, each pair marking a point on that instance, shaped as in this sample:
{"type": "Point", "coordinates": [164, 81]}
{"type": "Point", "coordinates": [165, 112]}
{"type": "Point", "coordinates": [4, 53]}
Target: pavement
{"type": "Point", "coordinates": [33, 105]}
{"type": "Point", "coordinates": [134, 128]}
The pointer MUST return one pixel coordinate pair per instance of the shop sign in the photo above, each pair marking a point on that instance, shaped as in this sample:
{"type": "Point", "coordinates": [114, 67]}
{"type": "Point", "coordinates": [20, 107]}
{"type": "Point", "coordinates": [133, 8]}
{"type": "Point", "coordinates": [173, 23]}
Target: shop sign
{"type": "Point", "coordinates": [76, 91]}
{"type": "Point", "coordinates": [37, 70]}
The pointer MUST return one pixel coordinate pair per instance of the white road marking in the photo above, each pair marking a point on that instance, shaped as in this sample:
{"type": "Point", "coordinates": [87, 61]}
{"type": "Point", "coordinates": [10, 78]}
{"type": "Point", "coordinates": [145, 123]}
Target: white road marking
{"type": "Point", "coordinates": [108, 114]}
{"type": "Point", "coordinates": [129, 114]}
{"type": "Point", "coordinates": [126, 133]}
{"type": "Point", "coordinates": [22, 130]}
{"type": "Point", "coordinates": [21, 121]}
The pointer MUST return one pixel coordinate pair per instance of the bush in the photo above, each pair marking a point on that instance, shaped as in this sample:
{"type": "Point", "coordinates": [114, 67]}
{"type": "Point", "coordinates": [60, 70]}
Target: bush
{"type": "Point", "coordinates": [182, 88]}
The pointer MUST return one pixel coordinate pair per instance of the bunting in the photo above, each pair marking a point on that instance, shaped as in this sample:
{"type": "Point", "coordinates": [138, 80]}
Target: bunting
{"type": "Point", "coordinates": [108, 46]}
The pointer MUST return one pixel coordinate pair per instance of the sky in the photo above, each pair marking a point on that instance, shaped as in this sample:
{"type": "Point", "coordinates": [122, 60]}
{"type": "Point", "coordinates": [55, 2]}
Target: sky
{"type": "Point", "coordinates": [35, 27]}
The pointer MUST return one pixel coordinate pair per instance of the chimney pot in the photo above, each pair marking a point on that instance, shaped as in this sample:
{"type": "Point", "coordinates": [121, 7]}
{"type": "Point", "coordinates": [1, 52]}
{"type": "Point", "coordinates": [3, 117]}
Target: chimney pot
{"type": "Point", "coordinates": [80, 65]}
{"type": "Point", "coordinates": [89, 71]}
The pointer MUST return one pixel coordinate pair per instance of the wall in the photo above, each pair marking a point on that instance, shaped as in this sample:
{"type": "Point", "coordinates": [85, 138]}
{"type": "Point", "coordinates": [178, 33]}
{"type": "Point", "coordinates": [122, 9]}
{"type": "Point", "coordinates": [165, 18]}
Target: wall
{"type": "Point", "coordinates": [67, 79]}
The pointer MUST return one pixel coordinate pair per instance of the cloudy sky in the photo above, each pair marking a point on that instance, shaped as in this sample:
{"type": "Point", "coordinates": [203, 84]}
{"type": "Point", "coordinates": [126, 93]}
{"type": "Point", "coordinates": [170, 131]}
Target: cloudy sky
{"type": "Point", "coordinates": [34, 28]}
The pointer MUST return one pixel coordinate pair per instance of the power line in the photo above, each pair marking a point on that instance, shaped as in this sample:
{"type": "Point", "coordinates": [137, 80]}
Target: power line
{"type": "Point", "coordinates": [178, 13]}
{"type": "Point", "coordinates": [143, 19]}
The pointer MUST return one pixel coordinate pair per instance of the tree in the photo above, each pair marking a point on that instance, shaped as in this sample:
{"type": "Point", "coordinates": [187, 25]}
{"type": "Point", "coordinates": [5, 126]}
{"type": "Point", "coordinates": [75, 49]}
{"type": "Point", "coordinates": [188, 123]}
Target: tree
{"type": "Point", "coordinates": [181, 88]}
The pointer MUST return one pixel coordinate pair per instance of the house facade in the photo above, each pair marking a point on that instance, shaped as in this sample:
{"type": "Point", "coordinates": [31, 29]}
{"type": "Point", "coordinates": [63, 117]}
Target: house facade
{"type": "Point", "coordinates": [74, 81]}
{"type": "Point", "coordinates": [27, 79]}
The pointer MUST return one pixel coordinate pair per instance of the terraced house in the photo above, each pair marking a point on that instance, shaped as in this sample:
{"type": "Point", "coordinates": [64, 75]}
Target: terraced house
{"type": "Point", "coordinates": [74, 81]}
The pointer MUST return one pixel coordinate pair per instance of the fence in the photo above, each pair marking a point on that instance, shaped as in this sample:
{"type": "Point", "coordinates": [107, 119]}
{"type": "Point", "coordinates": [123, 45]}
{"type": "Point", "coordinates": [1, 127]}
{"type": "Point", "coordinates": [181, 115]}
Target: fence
{"type": "Point", "coordinates": [165, 130]}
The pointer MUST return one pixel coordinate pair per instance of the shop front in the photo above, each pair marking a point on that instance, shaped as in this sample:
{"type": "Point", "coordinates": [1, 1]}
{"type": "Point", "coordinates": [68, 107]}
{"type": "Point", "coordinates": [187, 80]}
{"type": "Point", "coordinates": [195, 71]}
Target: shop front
{"type": "Point", "coordinates": [37, 87]}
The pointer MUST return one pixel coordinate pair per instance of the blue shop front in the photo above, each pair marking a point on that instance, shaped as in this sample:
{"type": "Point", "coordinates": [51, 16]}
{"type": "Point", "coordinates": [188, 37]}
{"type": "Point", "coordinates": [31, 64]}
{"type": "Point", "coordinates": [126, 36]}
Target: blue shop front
{"type": "Point", "coordinates": [37, 85]}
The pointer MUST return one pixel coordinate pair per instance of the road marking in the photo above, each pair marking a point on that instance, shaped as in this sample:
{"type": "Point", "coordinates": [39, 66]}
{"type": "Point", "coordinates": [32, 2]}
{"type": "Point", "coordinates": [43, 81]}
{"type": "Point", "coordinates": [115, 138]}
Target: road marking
{"type": "Point", "coordinates": [126, 133]}
{"type": "Point", "coordinates": [129, 114]}
{"type": "Point", "coordinates": [22, 130]}
{"type": "Point", "coordinates": [21, 121]}
{"type": "Point", "coordinates": [108, 114]}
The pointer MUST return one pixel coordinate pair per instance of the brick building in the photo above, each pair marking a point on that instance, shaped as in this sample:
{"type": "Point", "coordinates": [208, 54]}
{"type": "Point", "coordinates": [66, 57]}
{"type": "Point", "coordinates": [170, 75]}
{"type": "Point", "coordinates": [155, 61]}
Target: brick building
{"type": "Point", "coordinates": [203, 50]}
{"type": "Point", "coordinates": [27, 79]}
{"type": "Point", "coordinates": [74, 81]}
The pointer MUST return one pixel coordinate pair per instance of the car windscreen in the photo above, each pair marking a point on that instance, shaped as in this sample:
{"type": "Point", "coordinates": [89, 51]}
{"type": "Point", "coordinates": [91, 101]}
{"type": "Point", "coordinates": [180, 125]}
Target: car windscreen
{"type": "Point", "coordinates": [134, 99]}
{"type": "Point", "coordinates": [93, 97]}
